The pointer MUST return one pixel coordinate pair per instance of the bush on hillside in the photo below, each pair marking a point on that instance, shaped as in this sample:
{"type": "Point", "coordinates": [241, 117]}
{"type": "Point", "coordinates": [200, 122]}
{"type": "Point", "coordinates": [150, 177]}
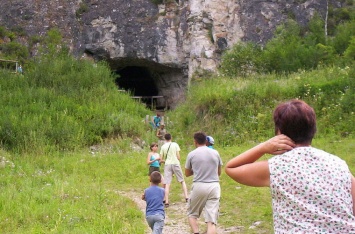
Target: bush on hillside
{"type": "Point", "coordinates": [291, 49]}
{"type": "Point", "coordinates": [14, 50]}
{"type": "Point", "coordinates": [343, 35]}
{"type": "Point", "coordinates": [350, 51]}
{"type": "Point", "coordinates": [242, 60]}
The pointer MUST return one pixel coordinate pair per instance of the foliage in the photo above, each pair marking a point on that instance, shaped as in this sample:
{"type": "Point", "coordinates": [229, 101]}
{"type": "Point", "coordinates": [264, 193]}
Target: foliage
{"type": "Point", "coordinates": [14, 50]}
{"type": "Point", "coordinates": [286, 52]}
{"type": "Point", "coordinates": [239, 110]}
{"type": "Point", "coordinates": [350, 51]}
{"type": "Point", "coordinates": [343, 35]}
{"type": "Point", "coordinates": [242, 60]}
{"type": "Point", "coordinates": [62, 104]}
{"type": "Point", "coordinates": [290, 49]}
{"type": "Point", "coordinates": [315, 33]}
{"type": "Point", "coordinates": [3, 32]}
{"type": "Point", "coordinates": [83, 7]}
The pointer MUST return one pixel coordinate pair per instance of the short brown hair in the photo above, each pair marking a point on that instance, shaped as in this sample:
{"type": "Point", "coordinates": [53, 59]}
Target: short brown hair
{"type": "Point", "coordinates": [167, 136]}
{"type": "Point", "coordinates": [155, 177]}
{"type": "Point", "coordinates": [297, 120]}
{"type": "Point", "coordinates": [152, 145]}
{"type": "Point", "coordinates": [200, 138]}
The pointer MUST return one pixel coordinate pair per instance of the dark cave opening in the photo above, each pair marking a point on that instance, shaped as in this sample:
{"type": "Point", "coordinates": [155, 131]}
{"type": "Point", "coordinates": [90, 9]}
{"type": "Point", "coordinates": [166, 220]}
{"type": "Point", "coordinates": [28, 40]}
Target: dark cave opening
{"type": "Point", "coordinates": [139, 82]}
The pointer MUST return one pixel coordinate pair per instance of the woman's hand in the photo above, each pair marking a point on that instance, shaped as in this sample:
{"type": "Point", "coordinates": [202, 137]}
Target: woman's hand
{"type": "Point", "coordinates": [278, 145]}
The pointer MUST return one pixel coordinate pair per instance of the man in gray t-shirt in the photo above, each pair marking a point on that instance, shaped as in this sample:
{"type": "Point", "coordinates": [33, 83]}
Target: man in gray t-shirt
{"type": "Point", "coordinates": [205, 165]}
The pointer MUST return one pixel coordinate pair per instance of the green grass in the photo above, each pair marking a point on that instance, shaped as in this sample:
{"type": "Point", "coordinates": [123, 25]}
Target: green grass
{"type": "Point", "coordinates": [66, 139]}
{"type": "Point", "coordinates": [78, 192]}
{"type": "Point", "coordinates": [68, 194]}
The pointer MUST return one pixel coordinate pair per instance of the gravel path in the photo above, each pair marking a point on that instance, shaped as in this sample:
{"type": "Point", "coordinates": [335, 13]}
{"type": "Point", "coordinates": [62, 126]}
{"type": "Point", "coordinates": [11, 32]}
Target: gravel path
{"type": "Point", "coordinates": [175, 217]}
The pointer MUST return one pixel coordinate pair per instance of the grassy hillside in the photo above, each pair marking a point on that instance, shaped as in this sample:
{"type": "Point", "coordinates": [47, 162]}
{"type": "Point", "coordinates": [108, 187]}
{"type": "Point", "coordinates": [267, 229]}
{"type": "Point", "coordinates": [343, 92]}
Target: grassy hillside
{"type": "Point", "coordinates": [60, 103]}
{"type": "Point", "coordinates": [77, 190]}
{"type": "Point", "coordinates": [239, 110]}
{"type": "Point", "coordinates": [67, 135]}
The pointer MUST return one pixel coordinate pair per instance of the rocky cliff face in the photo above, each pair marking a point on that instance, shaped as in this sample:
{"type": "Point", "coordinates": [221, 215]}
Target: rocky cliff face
{"type": "Point", "coordinates": [170, 41]}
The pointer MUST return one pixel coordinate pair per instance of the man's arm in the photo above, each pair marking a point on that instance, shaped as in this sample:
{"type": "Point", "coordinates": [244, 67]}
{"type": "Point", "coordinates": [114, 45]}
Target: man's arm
{"type": "Point", "coordinates": [178, 155]}
{"type": "Point", "coordinates": [188, 167]}
{"type": "Point", "coordinates": [188, 172]}
{"type": "Point", "coordinates": [158, 133]}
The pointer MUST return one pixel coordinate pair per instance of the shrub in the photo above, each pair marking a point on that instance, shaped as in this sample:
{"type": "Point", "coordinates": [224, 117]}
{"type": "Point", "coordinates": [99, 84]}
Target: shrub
{"type": "Point", "coordinates": [15, 50]}
{"type": "Point", "coordinates": [3, 32]}
{"type": "Point", "coordinates": [350, 51]}
{"type": "Point", "coordinates": [83, 7]}
{"type": "Point", "coordinates": [286, 51]}
{"type": "Point", "coordinates": [243, 59]}
{"type": "Point", "coordinates": [343, 35]}
{"type": "Point", "coordinates": [315, 33]}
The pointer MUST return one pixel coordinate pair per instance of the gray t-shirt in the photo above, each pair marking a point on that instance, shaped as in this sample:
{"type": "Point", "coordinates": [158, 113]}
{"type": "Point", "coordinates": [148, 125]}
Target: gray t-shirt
{"type": "Point", "coordinates": [204, 163]}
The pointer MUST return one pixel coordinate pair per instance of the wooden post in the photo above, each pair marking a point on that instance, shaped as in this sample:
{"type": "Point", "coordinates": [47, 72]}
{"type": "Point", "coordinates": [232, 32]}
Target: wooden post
{"type": "Point", "coordinates": [147, 119]}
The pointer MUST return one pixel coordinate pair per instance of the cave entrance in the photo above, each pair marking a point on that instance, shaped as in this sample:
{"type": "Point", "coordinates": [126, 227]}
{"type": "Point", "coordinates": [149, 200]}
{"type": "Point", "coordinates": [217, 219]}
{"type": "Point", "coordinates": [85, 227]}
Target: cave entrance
{"type": "Point", "coordinates": [140, 83]}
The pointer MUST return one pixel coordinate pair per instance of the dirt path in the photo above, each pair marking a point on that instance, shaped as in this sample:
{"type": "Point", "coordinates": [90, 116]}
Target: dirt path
{"type": "Point", "coordinates": [176, 219]}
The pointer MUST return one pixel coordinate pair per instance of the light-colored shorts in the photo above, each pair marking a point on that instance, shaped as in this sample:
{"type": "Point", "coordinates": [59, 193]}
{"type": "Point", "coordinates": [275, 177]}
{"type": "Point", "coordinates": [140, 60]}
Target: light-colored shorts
{"type": "Point", "coordinates": [171, 169]}
{"type": "Point", "coordinates": [205, 196]}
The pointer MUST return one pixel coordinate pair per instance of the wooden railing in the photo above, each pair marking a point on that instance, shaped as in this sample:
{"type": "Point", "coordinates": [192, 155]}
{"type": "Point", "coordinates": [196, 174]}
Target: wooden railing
{"type": "Point", "coordinates": [152, 98]}
{"type": "Point", "coordinates": [10, 61]}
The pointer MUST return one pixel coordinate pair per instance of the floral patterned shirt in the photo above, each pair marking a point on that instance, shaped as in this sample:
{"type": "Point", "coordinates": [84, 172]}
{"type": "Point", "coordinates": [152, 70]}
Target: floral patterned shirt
{"type": "Point", "coordinates": [311, 192]}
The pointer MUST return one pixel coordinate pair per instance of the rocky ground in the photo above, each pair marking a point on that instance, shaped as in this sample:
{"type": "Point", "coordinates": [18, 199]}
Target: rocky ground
{"type": "Point", "coordinates": [176, 219]}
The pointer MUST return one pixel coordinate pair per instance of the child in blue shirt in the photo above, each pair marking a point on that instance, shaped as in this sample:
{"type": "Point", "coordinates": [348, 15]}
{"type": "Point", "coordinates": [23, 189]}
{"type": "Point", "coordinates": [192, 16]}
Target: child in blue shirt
{"type": "Point", "coordinates": [154, 197]}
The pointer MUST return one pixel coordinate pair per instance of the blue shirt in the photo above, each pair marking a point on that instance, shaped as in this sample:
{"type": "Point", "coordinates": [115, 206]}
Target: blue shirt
{"type": "Point", "coordinates": [155, 163]}
{"type": "Point", "coordinates": [154, 196]}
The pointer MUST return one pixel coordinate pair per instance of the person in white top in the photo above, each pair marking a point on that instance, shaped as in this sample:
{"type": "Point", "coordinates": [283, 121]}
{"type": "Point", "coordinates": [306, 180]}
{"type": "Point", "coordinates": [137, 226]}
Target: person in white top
{"type": "Point", "coordinates": [312, 190]}
{"type": "Point", "coordinates": [170, 155]}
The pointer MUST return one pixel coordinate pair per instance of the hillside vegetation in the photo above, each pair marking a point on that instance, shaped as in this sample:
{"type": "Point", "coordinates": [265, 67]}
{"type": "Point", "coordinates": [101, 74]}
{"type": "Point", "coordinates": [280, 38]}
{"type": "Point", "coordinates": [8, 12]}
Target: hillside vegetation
{"type": "Point", "coordinates": [61, 103]}
{"type": "Point", "coordinates": [239, 110]}
{"type": "Point", "coordinates": [78, 191]}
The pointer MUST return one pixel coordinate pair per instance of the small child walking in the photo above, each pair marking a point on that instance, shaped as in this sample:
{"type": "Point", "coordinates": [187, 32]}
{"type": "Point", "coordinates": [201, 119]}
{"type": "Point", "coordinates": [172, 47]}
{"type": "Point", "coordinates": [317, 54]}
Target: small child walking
{"type": "Point", "coordinates": [153, 159]}
{"type": "Point", "coordinates": [154, 197]}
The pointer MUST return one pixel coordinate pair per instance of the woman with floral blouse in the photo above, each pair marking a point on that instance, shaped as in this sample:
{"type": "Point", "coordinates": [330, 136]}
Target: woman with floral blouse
{"type": "Point", "coordinates": [312, 191]}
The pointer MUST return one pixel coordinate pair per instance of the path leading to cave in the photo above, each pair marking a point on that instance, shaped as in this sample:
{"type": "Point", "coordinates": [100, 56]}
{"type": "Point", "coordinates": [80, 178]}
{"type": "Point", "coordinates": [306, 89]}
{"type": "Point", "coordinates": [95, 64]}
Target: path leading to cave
{"type": "Point", "coordinates": [176, 219]}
